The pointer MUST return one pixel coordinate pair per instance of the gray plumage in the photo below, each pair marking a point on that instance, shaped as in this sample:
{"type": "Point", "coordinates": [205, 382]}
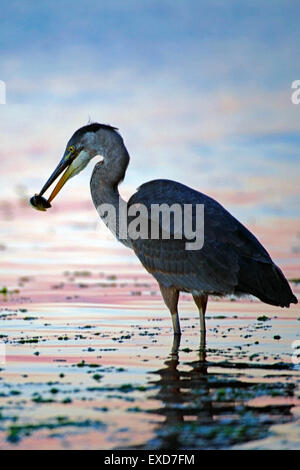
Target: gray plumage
{"type": "Point", "coordinates": [231, 261]}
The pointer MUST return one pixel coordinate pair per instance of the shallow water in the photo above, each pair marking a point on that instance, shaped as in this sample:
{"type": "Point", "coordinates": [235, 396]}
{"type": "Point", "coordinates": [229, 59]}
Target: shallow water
{"type": "Point", "coordinates": [79, 376]}
{"type": "Point", "coordinates": [91, 361]}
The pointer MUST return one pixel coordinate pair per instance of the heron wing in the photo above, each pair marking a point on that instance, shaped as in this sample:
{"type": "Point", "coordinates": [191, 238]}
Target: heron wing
{"type": "Point", "coordinates": [231, 260]}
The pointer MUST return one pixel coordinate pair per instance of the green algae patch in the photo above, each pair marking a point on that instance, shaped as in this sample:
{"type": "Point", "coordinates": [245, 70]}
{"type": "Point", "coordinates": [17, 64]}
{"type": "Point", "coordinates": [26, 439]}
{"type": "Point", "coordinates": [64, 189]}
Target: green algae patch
{"type": "Point", "coordinates": [15, 432]}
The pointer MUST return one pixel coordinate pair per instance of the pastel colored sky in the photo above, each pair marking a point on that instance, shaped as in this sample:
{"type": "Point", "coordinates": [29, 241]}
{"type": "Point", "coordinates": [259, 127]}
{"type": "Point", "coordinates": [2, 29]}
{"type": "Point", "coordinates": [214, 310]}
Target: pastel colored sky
{"type": "Point", "coordinates": [201, 92]}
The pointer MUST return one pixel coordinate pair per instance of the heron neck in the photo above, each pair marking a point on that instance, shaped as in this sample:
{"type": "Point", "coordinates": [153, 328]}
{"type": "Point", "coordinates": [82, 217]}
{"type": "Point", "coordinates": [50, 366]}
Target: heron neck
{"type": "Point", "coordinates": [105, 192]}
{"type": "Point", "coordinates": [107, 175]}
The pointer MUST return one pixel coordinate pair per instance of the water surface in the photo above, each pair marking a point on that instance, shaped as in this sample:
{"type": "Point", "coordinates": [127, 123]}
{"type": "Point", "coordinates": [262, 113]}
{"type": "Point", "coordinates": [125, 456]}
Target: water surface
{"type": "Point", "coordinates": [91, 361]}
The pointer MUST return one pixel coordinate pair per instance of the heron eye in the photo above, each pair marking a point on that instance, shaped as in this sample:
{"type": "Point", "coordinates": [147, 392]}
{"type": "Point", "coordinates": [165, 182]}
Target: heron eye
{"type": "Point", "coordinates": [71, 149]}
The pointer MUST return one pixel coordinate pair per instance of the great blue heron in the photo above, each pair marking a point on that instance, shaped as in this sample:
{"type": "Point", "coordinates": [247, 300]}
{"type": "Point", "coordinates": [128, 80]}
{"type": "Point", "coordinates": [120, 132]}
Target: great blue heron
{"type": "Point", "coordinates": [231, 261]}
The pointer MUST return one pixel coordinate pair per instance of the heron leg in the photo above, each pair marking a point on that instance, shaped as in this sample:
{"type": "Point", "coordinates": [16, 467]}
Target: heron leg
{"type": "Point", "coordinates": [170, 296]}
{"type": "Point", "coordinates": [201, 302]}
{"type": "Point", "coordinates": [175, 346]}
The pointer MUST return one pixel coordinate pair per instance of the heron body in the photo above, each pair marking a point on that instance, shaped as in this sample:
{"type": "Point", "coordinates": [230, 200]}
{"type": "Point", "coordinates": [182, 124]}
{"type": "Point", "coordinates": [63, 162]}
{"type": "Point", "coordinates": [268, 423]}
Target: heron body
{"type": "Point", "coordinates": [231, 261]}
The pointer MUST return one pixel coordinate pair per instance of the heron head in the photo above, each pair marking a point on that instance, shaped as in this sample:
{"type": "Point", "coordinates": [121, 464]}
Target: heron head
{"type": "Point", "coordinates": [84, 144]}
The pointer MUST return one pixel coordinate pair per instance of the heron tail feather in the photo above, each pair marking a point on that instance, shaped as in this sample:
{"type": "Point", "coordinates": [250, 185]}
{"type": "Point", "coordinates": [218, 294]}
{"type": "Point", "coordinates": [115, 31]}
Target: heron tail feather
{"type": "Point", "coordinates": [267, 282]}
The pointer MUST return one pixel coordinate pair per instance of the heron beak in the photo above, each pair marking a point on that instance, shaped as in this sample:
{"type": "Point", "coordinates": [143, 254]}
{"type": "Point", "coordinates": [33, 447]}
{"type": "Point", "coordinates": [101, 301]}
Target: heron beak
{"type": "Point", "coordinates": [67, 174]}
{"type": "Point", "coordinates": [64, 164]}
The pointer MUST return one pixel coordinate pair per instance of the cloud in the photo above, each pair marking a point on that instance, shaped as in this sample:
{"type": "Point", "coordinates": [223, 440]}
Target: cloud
{"type": "Point", "coordinates": [200, 94]}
